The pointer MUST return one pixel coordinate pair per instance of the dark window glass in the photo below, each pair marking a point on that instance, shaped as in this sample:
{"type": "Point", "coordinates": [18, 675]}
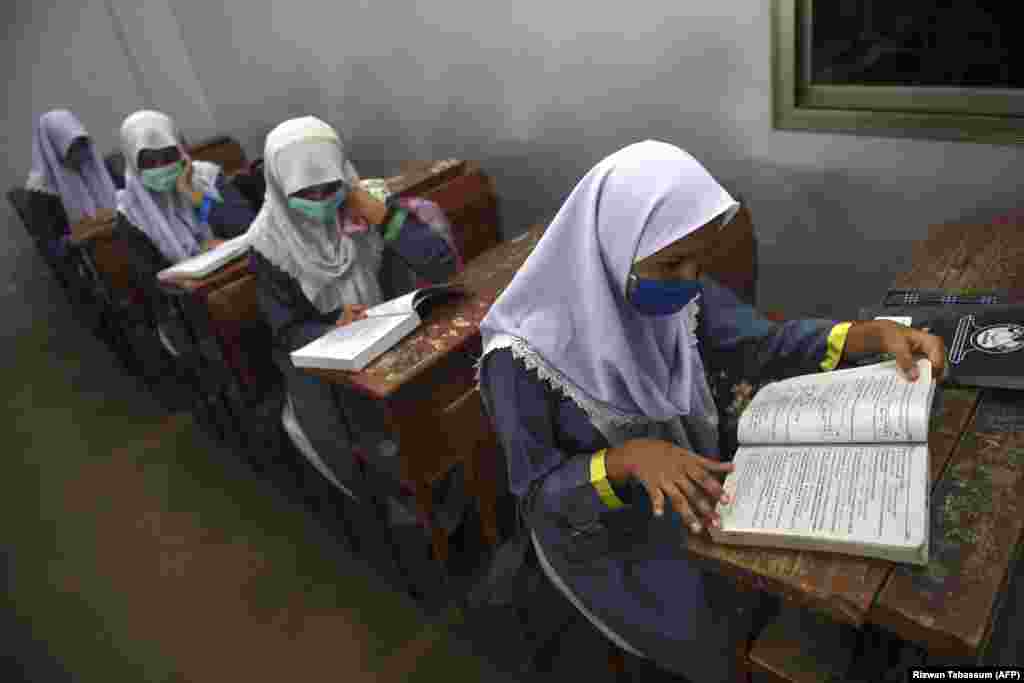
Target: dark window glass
{"type": "Point", "coordinates": [962, 43]}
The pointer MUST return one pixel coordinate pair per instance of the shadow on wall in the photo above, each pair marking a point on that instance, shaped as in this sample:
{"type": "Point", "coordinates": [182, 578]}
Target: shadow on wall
{"type": "Point", "coordinates": [815, 254]}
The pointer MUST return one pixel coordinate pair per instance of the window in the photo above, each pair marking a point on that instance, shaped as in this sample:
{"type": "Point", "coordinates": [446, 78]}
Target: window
{"type": "Point", "coordinates": [946, 69]}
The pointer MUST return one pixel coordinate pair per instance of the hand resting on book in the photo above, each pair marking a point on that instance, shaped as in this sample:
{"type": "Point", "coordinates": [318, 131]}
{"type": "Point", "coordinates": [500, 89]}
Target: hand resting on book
{"type": "Point", "coordinates": [350, 313]}
{"type": "Point", "coordinates": [665, 469]}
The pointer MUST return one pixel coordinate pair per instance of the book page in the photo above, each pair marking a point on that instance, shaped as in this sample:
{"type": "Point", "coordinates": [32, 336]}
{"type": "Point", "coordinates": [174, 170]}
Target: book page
{"type": "Point", "coordinates": [874, 495]}
{"type": "Point", "coordinates": [203, 264]}
{"type": "Point", "coordinates": [407, 303]}
{"type": "Point", "coordinates": [347, 342]}
{"type": "Point", "coordinates": [399, 306]}
{"type": "Point", "coordinates": [869, 404]}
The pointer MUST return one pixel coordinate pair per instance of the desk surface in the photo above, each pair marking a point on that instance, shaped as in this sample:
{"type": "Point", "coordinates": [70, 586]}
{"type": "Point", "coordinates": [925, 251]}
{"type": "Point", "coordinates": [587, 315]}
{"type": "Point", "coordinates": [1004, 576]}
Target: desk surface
{"type": "Point", "coordinates": [228, 273]}
{"type": "Point", "coordinates": [448, 328]}
{"type": "Point", "coordinates": [946, 606]}
{"type": "Point", "coordinates": [98, 227]}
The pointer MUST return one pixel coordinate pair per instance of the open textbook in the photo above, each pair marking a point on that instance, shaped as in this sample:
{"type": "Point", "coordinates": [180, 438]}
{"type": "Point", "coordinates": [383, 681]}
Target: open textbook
{"type": "Point", "coordinates": [203, 264]}
{"type": "Point", "coordinates": [836, 462]}
{"type": "Point", "coordinates": [354, 346]}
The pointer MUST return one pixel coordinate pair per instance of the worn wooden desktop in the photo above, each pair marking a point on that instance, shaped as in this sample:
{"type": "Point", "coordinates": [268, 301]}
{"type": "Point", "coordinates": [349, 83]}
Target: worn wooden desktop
{"type": "Point", "coordinates": [950, 606]}
{"type": "Point", "coordinates": [430, 370]}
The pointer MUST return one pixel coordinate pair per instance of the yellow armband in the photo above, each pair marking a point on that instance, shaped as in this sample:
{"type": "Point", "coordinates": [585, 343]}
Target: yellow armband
{"type": "Point", "coordinates": [834, 348]}
{"type": "Point", "coordinates": [599, 478]}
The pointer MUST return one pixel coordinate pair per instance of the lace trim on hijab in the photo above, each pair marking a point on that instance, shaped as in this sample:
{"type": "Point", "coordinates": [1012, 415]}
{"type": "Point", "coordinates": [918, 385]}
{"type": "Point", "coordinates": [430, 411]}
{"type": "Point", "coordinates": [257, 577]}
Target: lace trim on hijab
{"type": "Point", "coordinates": [598, 411]}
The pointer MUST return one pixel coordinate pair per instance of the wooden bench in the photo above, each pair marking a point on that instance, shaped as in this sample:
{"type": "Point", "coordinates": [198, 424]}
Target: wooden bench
{"type": "Point", "coordinates": [802, 647]}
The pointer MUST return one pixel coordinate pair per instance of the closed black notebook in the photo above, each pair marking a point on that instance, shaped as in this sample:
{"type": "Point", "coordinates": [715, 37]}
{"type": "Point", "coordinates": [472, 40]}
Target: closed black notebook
{"type": "Point", "coordinates": [984, 343]}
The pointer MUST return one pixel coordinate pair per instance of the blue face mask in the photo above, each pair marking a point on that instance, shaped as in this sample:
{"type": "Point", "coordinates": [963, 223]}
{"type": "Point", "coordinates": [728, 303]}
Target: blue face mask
{"type": "Point", "coordinates": [660, 297]}
{"type": "Point", "coordinates": [324, 210]}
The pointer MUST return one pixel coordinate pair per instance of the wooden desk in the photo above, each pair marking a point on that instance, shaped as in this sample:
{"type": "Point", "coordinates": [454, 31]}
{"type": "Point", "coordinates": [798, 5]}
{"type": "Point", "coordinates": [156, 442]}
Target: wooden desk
{"type": "Point", "coordinates": [224, 275]}
{"type": "Point", "coordinates": [948, 607]}
{"type": "Point", "coordinates": [428, 371]}
{"type": "Point", "coordinates": [420, 177]}
{"type": "Point", "coordinates": [103, 254]}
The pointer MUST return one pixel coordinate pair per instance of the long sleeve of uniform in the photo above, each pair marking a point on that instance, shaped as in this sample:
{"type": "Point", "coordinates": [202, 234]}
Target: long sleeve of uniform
{"type": "Point", "coordinates": [232, 216]}
{"type": "Point", "coordinates": [628, 569]}
{"type": "Point", "coordinates": [768, 349]}
{"type": "Point", "coordinates": [423, 250]}
{"type": "Point", "coordinates": [293, 321]}
{"type": "Point", "coordinates": [319, 406]}
{"type": "Point", "coordinates": [563, 486]}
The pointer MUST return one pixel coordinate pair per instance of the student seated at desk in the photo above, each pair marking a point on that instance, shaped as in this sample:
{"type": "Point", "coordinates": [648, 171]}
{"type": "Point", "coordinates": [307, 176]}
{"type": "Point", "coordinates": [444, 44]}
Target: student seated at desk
{"type": "Point", "coordinates": [68, 181]}
{"type": "Point", "coordinates": [318, 245]}
{"type": "Point", "coordinates": [172, 207]}
{"type": "Point", "coordinates": [594, 375]}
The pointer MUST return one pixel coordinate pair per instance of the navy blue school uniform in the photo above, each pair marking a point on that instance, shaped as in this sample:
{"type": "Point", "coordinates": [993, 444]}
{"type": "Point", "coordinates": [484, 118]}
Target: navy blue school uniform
{"type": "Point", "coordinates": [326, 411]}
{"type": "Point", "coordinates": [628, 568]}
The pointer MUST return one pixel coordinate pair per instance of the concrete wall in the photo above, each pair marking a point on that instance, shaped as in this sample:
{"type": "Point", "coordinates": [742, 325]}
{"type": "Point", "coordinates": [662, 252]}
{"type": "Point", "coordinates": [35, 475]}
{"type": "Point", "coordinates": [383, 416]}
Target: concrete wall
{"type": "Point", "coordinates": [538, 92]}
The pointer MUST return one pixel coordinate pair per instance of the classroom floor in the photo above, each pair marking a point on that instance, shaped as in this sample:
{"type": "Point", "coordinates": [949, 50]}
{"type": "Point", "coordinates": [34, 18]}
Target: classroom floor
{"type": "Point", "coordinates": [137, 550]}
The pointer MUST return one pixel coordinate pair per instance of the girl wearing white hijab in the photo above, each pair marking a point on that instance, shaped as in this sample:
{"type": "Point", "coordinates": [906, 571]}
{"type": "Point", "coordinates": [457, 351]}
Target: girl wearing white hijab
{"type": "Point", "coordinates": [594, 371]}
{"type": "Point", "coordinates": [68, 181]}
{"type": "Point", "coordinates": [172, 207]}
{"type": "Point", "coordinates": [317, 248]}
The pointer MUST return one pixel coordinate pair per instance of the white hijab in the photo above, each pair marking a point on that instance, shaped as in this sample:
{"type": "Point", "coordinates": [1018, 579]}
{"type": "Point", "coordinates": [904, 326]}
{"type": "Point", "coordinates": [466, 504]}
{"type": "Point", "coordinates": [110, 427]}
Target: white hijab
{"type": "Point", "coordinates": [332, 268]}
{"type": "Point", "coordinates": [167, 218]}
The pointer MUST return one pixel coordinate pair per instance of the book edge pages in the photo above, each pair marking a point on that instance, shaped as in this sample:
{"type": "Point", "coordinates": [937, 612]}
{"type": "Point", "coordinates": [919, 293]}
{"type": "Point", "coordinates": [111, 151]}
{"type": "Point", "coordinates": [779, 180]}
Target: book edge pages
{"type": "Point", "coordinates": [908, 554]}
{"type": "Point", "coordinates": [215, 264]}
{"type": "Point", "coordinates": [315, 359]}
{"type": "Point", "coordinates": [913, 553]}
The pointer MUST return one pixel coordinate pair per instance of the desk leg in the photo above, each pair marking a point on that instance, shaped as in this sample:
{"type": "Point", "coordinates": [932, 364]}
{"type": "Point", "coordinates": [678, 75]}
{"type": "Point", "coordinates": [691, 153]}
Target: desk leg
{"type": "Point", "coordinates": [485, 487]}
{"type": "Point", "coordinates": [425, 507]}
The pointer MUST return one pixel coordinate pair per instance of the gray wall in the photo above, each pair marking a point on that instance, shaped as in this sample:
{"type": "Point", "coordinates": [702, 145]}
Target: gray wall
{"type": "Point", "coordinates": [539, 91]}
{"type": "Point", "coordinates": [66, 56]}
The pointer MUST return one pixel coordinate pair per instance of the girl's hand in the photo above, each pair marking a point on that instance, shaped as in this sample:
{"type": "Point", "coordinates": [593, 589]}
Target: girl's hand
{"type": "Point", "coordinates": [363, 204]}
{"type": "Point", "coordinates": [686, 479]}
{"type": "Point", "coordinates": [886, 336]}
{"type": "Point", "coordinates": [351, 313]}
